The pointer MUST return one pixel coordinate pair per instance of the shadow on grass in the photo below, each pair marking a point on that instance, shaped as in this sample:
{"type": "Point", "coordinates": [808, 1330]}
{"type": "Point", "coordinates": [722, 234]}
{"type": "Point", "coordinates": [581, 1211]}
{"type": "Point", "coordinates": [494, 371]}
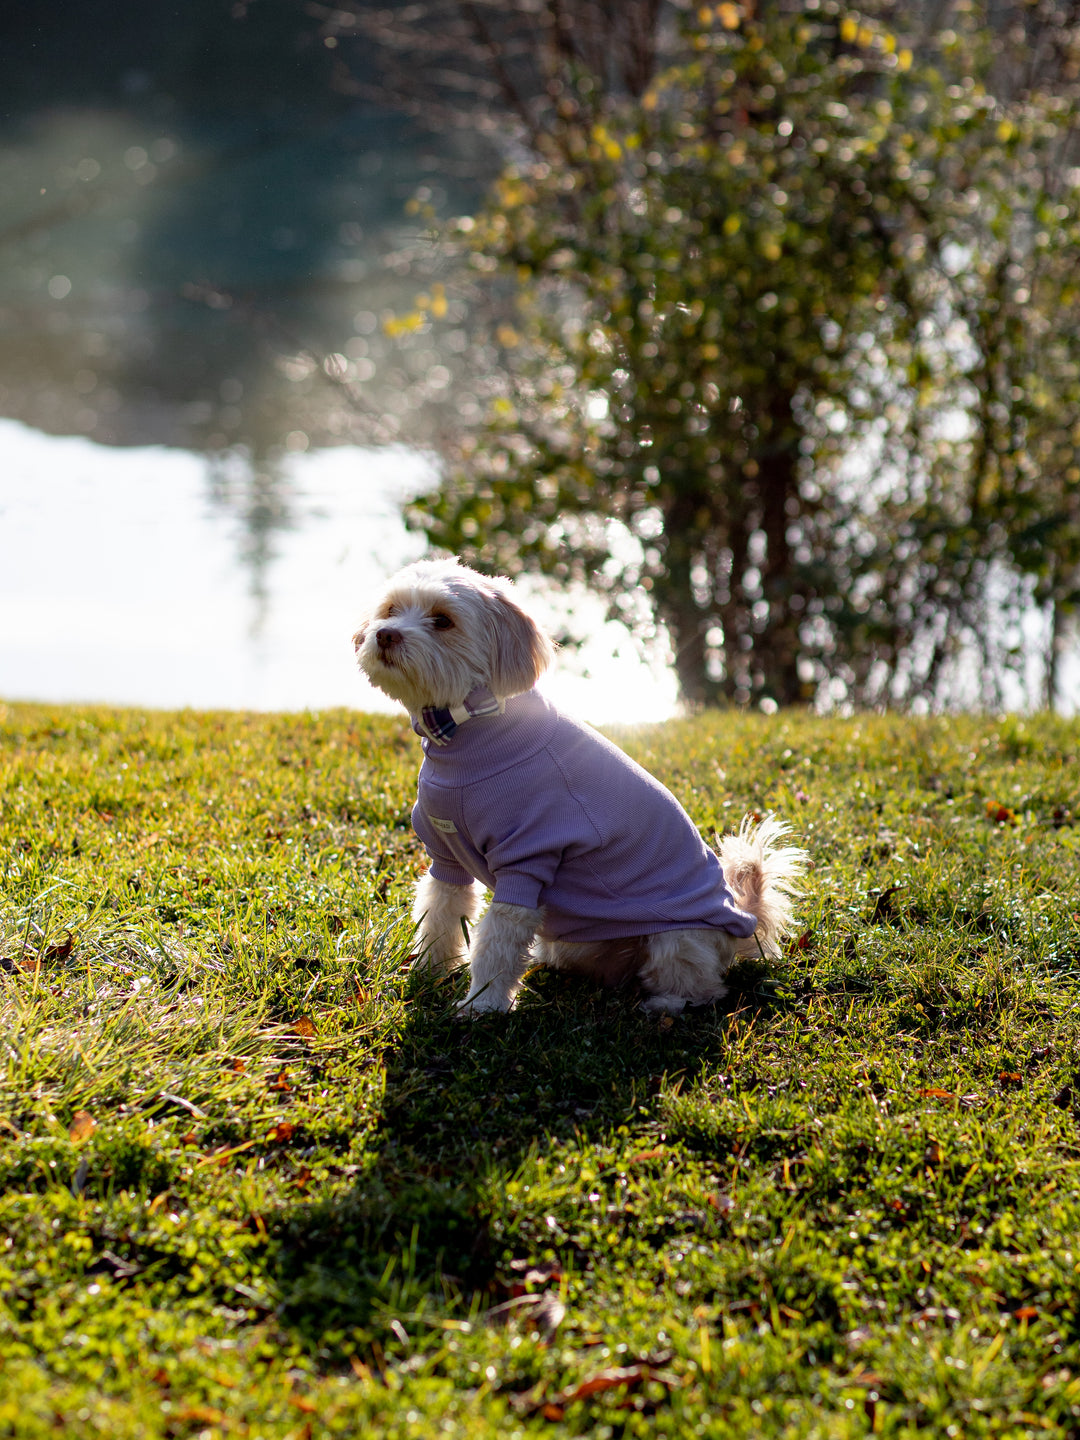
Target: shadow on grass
{"type": "Point", "coordinates": [465, 1104]}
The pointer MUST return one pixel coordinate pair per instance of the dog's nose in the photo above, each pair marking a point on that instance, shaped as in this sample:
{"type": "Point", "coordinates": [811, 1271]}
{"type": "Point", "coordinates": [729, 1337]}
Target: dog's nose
{"type": "Point", "coordinates": [387, 638]}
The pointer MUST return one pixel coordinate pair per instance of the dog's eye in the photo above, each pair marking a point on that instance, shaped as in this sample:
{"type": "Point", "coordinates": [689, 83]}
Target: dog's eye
{"type": "Point", "coordinates": [442, 622]}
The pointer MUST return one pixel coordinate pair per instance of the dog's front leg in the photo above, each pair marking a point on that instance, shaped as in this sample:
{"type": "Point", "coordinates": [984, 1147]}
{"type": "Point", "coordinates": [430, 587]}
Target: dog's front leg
{"type": "Point", "coordinates": [439, 910]}
{"type": "Point", "coordinates": [500, 956]}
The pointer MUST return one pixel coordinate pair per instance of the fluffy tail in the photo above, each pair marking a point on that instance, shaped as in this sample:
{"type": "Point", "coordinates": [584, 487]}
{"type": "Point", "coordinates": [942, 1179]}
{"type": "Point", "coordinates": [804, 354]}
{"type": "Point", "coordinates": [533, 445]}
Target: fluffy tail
{"type": "Point", "coordinates": [764, 878]}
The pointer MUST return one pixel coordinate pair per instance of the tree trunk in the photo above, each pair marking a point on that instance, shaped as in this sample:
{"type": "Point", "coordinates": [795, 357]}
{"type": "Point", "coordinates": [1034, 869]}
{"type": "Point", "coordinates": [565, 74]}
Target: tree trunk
{"type": "Point", "coordinates": [776, 649]}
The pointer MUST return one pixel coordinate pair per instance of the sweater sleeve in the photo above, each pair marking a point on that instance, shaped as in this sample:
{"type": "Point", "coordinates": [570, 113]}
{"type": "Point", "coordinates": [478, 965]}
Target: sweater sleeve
{"type": "Point", "coordinates": [529, 824]}
{"type": "Point", "coordinates": [444, 867]}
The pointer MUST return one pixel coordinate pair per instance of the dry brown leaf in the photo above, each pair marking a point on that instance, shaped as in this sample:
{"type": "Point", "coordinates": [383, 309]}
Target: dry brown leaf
{"type": "Point", "coordinates": [282, 1132]}
{"type": "Point", "coordinates": [82, 1125]}
{"type": "Point", "coordinates": [628, 1375]}
{"type": "Point", "coordinates": [64, 949]}
{"type": "Point", "coordinates": [304, 1027]}
{"type": "Point", "coordinates": [206, 1413]}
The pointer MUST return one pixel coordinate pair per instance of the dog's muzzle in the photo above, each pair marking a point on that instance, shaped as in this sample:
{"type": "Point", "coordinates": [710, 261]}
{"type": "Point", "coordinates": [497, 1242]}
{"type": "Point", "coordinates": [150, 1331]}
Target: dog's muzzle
{"type": "Point", "coordinates": [387, 640]}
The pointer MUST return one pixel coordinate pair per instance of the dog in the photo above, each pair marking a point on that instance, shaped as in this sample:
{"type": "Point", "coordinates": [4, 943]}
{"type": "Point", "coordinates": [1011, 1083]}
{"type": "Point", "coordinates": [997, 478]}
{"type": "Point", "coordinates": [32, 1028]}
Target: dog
{"type": "Point", "coordinates": [593, 865]}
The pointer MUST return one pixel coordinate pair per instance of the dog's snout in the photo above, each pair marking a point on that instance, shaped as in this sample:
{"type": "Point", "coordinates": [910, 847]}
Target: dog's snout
{"type": "Point", "coordinates": [386, 637]}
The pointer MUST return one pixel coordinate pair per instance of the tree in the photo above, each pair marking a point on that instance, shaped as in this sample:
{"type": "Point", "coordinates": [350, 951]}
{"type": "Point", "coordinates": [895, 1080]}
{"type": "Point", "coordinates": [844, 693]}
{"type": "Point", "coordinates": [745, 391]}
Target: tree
{"type": "Point", "coordinates": [750, 306]}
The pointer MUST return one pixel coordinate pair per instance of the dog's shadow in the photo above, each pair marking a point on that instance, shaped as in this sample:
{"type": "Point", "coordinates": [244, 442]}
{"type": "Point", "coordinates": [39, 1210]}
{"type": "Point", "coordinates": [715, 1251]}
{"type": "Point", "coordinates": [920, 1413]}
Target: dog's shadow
{"type": "Point", "coordinates": [465, 1103]}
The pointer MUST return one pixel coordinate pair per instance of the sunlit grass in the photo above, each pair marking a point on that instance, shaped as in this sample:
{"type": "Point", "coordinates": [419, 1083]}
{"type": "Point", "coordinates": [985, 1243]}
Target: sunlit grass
{"type": "Point", "coordinates": [258, 1181]}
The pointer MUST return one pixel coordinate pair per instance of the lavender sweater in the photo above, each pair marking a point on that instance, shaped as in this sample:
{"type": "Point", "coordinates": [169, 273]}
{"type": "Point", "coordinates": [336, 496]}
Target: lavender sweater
{"type": "Point", "coordinates": [546, 812]}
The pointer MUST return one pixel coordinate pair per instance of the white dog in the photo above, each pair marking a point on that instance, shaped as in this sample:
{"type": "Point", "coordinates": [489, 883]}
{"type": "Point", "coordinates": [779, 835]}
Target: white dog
{"type": "Point", "coordinates": [594, 866]}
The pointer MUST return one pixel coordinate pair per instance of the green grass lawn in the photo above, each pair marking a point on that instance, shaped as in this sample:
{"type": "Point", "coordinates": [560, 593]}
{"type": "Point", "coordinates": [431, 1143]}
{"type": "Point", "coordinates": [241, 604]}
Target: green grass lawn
{"type": "Point", "coordinates": [258, 1181]}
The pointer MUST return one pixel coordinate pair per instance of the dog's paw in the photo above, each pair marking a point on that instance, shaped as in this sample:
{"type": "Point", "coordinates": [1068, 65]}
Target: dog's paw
{"type": "Point", "coordinates": [664, 1005]}
{"type": "Point", "coordinates": [472, 1007]}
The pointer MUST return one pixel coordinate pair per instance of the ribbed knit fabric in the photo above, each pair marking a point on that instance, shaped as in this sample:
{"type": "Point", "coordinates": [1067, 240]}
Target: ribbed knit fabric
{"type": "Point", "coordinates": [546, 812]}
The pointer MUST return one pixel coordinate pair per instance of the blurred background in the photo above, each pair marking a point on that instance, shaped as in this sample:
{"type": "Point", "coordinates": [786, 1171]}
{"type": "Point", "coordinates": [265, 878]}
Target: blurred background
{"type": "Point", "coordinates": [205, 437]}
{"type": "Point", "coordinates": [745, 338]}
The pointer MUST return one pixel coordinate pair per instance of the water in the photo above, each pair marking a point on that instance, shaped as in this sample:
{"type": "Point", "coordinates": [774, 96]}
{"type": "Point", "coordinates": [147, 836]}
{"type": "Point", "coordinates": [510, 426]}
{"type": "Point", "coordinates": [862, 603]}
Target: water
{"type": "Point", "coordinates": [127, 576]}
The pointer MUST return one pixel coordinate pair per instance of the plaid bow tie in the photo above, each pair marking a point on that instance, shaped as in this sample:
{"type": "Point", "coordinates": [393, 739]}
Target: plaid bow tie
{"type": "Point", "coordinates": [438, 722]}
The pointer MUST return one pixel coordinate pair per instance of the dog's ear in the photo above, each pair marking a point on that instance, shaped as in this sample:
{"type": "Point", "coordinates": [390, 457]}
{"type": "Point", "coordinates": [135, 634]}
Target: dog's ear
{"type": "Point", "coordinates": [360, 636]}
{"type": "Point", "coordinates": [521, 652]}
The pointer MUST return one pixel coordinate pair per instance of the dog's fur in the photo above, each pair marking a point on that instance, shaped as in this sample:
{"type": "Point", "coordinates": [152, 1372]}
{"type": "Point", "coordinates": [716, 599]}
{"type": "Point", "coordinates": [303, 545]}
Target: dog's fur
{"type": "Point", "coordinates": [438, 631]}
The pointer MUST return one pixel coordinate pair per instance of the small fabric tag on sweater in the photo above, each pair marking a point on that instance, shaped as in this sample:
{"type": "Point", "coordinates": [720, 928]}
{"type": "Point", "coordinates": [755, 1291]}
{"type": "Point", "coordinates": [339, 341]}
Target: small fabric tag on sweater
{"type": "Point", "coordinates": [446, 826]}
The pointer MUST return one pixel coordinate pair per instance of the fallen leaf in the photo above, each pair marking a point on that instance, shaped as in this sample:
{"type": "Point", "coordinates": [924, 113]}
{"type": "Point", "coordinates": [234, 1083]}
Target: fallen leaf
{"type": "Point", "coordinates": [999, 814]}
{"type": "Point", "coordinates": [629, 1376]}
{"type": "Point", "coordinates": [546, 1312]}
{"type": "Point", "coordinates": [239, 1066]}
{"type": "Point", "coordinates": [552, 1412]}
{"type": "Point", "coordinates": [82, 1125]}
{"type": "Point", "coordinates": [803, 942]}
{"type": "Point", "coordinates": [304, 1027]}
{"type": "Point", "coordinates": [188, 1105]}
{"type": "Point", "coordinates": [282, 1132]}
{"type": "Point", "coordinates": [884, 909]}
{"type": "Point", "coordinates": [938, 1094]}
{"type": "Point", "coordinates": [64, 949]}
{"type": "Point", "coordinates": [646, 1155]}
{"type": "Point", "coordinates": [303, 1403]}
{"type": "Point", "coordinates": [533, 1274]}
{"type": "Point", "coordinates": [302, 1178]}
{"type": "Point", "coordinates": [206, 1413]}
{"type": "Point", "coordinates": [1010, 1077]}
{"type": "Point", "coordinates": [220, 1156]}
{"type": "Point", "coordinates": [280, 1081]}
{"type": "Point", "coordinates": [1026, 1312]}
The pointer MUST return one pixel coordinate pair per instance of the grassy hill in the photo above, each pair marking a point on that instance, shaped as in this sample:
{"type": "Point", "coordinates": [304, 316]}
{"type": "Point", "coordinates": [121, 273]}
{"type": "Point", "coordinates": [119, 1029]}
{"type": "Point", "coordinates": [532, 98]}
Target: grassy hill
{"type": "Point", "coordinates": [257, 1181]}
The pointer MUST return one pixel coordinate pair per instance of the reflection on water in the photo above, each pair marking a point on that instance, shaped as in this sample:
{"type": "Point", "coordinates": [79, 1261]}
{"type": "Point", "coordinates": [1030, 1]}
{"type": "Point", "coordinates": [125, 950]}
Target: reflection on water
{"type": "Point", "coordinates": [119, 580]}
{"type": "Point", "coordinates": [200, 234]}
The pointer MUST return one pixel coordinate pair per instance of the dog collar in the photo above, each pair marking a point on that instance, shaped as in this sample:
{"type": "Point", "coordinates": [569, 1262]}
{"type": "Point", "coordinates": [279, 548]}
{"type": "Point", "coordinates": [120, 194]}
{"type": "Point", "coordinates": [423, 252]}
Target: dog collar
{"type": "Point", "coordinates": [438, 722]}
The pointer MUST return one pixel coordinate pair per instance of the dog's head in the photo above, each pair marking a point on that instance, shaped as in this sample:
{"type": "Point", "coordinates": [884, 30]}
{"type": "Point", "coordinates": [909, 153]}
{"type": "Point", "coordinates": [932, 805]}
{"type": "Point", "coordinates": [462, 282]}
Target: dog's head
{"type": "Point", "coordinates": [439, 630]}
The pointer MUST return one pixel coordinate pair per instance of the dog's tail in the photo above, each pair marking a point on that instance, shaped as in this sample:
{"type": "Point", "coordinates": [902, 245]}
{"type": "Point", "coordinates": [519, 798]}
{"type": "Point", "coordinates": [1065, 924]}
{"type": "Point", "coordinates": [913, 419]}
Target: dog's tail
{"type": "Point", "coordinates": [764, 877]}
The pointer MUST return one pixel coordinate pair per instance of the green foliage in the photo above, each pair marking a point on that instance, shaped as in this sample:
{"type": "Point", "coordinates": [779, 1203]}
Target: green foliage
{"type": "Point", "coordinates": [792, 362]}
{"type": "Point", "coordinates": [255, 1179]}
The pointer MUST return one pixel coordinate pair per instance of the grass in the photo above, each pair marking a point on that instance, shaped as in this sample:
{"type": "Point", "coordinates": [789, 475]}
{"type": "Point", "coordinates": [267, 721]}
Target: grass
{"type": "Point", "coordinates": [255, 1180]}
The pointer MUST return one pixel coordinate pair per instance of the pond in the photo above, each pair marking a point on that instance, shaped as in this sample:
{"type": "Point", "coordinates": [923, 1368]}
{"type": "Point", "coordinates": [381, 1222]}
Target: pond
{"type": "Point", "coordinates": [204, 433]}
{"type": "Point", "coordinates": [140, 576]}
